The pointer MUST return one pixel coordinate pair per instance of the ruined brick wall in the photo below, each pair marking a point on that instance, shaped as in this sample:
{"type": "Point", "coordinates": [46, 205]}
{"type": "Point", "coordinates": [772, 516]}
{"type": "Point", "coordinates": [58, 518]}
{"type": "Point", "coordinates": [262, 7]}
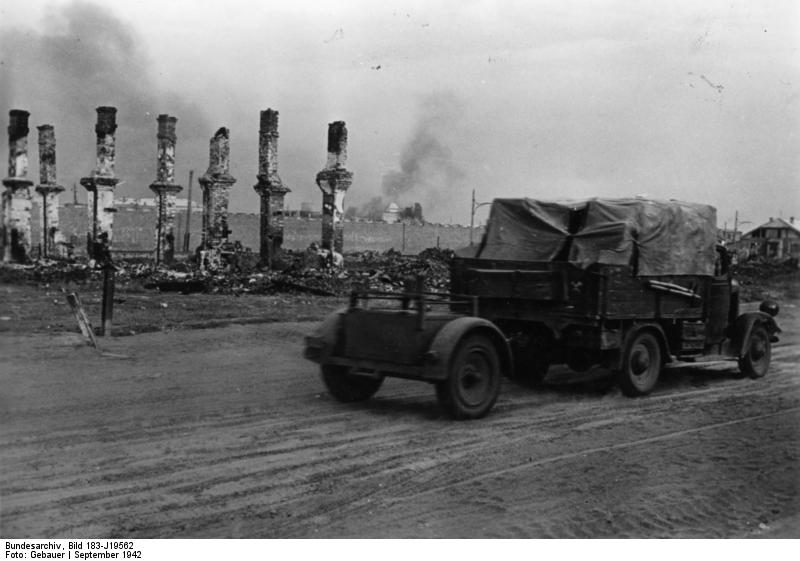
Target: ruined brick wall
{"type": "Point", "coordinates": [134, 231]}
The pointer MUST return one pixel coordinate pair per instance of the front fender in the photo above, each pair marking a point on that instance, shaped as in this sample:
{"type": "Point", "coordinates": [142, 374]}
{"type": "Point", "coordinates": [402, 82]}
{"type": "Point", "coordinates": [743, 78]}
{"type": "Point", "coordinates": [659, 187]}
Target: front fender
{"type": "Point", "coordinates": [444, 344]}
{"type": "Point", "coordinates": [322, 341]}
{"type": "Point", "coordinates": [743, 326]}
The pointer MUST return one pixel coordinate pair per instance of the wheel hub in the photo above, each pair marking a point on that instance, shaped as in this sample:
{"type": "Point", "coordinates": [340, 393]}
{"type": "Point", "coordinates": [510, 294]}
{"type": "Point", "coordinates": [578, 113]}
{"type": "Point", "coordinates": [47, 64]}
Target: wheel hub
{"type": "Point", "coordinates": [640, 361]}
{"type": "Point", "coordinates": [757, 349]}
{"type": "Point", "coordinates": [473, 379]}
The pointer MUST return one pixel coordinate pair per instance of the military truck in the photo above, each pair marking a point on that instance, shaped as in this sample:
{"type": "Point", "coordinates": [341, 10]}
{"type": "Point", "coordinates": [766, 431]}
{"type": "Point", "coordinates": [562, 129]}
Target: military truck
{"type": "Point", "coordinates": [628, 284]}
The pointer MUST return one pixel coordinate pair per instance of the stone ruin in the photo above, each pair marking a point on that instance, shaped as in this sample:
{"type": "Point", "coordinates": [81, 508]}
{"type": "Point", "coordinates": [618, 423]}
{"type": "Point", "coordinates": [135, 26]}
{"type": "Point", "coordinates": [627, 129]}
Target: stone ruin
{"type": "Point", "coordinates": [15, 241]}
{"type": "Point", "coordinates": [270, 189]}
{"type": "Point", "coordinates": [334, 181]}
{"type": "Point", "coordinates": [216, 184]}
{"type": "Point", "coordinates": [16, 205]}
{"type": "Point", "coordinates": [49, 189]}
{"type": "Point", "coordinates": [101, 183]}
{"type": "Point", "coordinates": [166, 190]}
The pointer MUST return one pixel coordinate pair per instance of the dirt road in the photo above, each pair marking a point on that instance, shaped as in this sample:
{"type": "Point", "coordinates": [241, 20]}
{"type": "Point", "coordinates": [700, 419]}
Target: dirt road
{"type": "Point", "coordinates": [227, 432]}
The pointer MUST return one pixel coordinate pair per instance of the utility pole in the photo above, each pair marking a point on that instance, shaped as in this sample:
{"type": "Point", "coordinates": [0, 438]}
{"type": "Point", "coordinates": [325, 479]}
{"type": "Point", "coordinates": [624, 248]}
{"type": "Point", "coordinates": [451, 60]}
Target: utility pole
{"type": "Point", "coordinates": [471, 216]}
{"type": "Point", "coordinates": [473, 207]}
{"type": "Point", "coordinates": [735, 225]}
{"type": "Point", "coordinates": [186, 234]}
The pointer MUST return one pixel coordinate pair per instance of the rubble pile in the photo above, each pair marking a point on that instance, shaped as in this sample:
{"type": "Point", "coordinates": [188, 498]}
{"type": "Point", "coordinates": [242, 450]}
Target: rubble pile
{"type": "Point", "coordinates": [308, 272]}
{"type": "Point", "coordinates": [761, 268]}
{"type": "Point", "coordinates": [388, 271]}
{"type": "Point", "coordinates": [45, 271]}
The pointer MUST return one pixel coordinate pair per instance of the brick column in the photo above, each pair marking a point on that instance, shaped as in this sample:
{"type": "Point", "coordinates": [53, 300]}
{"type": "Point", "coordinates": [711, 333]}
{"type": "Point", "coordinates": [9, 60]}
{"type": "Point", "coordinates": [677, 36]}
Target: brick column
{"type": "Point", "coordinates": [216, 184]}
{"type": "Point", "coordinates": [166, 190]}
{"type": "Point", "coordinates": [52, 239]}
{"type": "Point", "coordinates": [102, 181]}
{"type": "Point", "coordinates": [270, 188]}
{"type": "Point", "coordinates": [16, 207]}
{"type": "Point", "coordinates": [334, 181]}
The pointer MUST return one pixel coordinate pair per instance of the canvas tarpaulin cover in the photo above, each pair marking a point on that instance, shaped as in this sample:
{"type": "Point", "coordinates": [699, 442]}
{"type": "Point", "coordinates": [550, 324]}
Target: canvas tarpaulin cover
{"type": "Point", "coordinates": [654, 237]}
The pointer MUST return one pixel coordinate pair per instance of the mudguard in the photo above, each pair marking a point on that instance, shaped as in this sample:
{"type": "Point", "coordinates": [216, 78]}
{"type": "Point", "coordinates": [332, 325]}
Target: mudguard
{"type": "Point", "coordinates": [444, 344]}
{"type": "Point", "coordinates": [741, 328]}
{"type": "Point", "coordinates": [320, 344]}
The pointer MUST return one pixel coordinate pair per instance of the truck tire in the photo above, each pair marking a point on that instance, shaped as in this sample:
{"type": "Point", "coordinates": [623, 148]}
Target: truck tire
{"type": "Point", "coordinates": [473, 382]}
{"type": "Point", "coordinates": [348, 387]}
{"type": "Point", "coordinates": [641, 365]}
{"type": "Point", "coordinates": [755, 359]}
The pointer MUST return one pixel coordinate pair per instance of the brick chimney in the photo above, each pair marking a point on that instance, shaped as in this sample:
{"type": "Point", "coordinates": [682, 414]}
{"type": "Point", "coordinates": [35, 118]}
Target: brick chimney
{"type": "Point", "coordinates": [101, 183]}
{"type": "Point", "coordinates": [216, 184]}
{"type": "Point", "coordinates": [270, 188]}
{"type": "Point", "coordinates": [50, 191]}
{"type": "Point", "coordinates": [165, 189]}
{"type": "Point", "coordinates": [334, 181]}
{"type": "Point", "coordinates": [16, 206]}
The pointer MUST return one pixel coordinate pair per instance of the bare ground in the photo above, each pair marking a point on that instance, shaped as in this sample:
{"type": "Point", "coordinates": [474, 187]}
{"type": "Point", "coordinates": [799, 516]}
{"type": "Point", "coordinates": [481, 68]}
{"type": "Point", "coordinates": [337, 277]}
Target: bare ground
{"type": "Point", "coordinates": [227, 432]}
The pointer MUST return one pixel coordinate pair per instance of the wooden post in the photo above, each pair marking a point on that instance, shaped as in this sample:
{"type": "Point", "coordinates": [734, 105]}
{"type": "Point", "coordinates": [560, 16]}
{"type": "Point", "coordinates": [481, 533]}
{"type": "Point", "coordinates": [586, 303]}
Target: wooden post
{"type": "Point", "coordinates": [80, 316]}
{"type": "Point", "coordinates": [109, 275]}
{"type": "Point", "coordinates": [186, 234]}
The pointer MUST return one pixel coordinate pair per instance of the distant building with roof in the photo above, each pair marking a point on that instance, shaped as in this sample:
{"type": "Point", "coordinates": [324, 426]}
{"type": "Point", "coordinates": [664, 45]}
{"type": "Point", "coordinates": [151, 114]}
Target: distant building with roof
{"type": "Point", "coordinates": [391, 214]}
{"type": "Point", "coordinates": [776, 239]}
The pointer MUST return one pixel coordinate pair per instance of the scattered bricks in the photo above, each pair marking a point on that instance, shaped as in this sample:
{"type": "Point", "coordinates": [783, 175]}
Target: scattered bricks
{"type": "Point", "coordinates": [270, 188]}
{"type": "Point", "coordinates": [216, 184]}
{"type": "Point", "coordinates": [334, 181]}
{"type": "Point", "coordinates": [102, 181]}
{"type": "Point", "coordinates": [16, 201]}
{"type": "Point", "coordinates": [52, 238]}
{"type": "Point", "coordinates": [165, 189]}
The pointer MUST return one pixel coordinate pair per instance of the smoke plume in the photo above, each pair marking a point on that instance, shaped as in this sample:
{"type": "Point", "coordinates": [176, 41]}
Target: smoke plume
{"type": "Point", "coordinates": [86, 57]}
{"type": "Point", "coordinates": [429, 171]}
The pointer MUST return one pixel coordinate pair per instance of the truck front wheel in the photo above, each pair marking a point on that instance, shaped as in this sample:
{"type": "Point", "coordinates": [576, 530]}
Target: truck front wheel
{"type": "Point", "coordinates": [641, 365]}
{"type": "Point", "coordinates": [348, 387]}
{"type": "Point", "coordinates": [473, 382]}
{"type": "Point", "coordinates": [754, 362]}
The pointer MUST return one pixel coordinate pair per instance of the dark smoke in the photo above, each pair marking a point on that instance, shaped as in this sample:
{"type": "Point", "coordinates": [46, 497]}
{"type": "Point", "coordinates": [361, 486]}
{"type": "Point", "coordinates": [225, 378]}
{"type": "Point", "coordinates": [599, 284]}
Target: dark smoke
{"type": "Point", "coordinates": [429, 171]}
{"type": "Point", "coordinates": [86, 57]}
{"type": "Point", "coordinates": [372, 209]}
{"type": "Point", "coordinates": [427, 160]}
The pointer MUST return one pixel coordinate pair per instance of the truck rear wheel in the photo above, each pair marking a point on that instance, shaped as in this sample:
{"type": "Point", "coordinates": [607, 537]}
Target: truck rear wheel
{"type": "Point", "coordinates": [473, 383]}
{"type": "Point", "coordinates": [754, 362]}
{"type": "Point", "coordinates": [348, 387]}
{"type": "Point", "coordinates": [641, 365]}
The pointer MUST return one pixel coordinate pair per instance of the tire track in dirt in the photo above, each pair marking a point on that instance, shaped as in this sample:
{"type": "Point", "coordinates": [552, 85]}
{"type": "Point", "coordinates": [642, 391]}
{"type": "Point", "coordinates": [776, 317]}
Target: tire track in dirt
{"type": "Point", "coordinates": [455, 453]}
{"type": "Point", "coordinates": [589, 451]}
{"type": "Point", "coordinates": [279, 458]}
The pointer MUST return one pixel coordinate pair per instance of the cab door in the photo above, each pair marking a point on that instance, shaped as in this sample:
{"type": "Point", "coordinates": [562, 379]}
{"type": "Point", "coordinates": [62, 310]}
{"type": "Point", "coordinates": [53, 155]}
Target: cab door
{"type": "Point", "coordinates": [719, 300]}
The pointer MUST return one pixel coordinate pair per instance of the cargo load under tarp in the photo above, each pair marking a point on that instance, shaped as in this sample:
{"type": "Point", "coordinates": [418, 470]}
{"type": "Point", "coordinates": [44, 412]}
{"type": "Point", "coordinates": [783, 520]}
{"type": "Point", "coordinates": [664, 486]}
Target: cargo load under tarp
{"type": "Point", "coordinates": [654, 237]}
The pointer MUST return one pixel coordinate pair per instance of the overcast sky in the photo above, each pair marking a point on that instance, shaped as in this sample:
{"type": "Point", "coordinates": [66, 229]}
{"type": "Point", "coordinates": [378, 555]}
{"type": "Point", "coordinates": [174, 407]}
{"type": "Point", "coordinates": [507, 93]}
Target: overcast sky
{"type": "Point", "coordinates": [551, 99]}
